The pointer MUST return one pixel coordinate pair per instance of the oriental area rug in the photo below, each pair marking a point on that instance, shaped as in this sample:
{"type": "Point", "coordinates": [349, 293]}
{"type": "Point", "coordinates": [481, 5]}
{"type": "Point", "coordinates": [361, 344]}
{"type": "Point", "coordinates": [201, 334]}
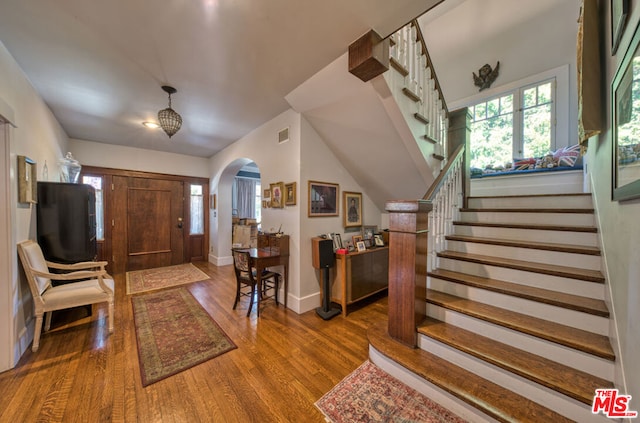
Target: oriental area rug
{"type": "Point", "coordinates": [369, 394]}
{"type": "Point", "coordinates": [174, 333]}
{"type": "Point", "coordinates": [163, 277]}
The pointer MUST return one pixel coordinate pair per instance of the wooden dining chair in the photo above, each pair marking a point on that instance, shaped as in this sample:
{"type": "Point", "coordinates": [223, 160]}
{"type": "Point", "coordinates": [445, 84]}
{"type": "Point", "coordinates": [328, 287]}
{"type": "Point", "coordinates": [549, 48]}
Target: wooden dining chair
{"type": "Point", "coordinates": [247, 281]}
{"type": "Point", "coordinates": [88, 283]}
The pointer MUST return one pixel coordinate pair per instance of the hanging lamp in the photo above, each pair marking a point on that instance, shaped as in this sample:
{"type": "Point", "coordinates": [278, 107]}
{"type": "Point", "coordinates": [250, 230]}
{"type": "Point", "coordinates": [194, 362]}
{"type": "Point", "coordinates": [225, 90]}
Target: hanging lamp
{"type": "Point", "coordinates": [170, 121]}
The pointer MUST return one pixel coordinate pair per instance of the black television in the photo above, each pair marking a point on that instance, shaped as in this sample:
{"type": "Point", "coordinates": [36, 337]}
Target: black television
{"type": "Point", "coordinates": [66, 222]}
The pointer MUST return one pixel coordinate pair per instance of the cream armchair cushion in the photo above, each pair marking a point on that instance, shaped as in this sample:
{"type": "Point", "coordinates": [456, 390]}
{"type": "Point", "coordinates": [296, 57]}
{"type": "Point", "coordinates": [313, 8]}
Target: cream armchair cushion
{"type": "Point", "coordinates": [91, 285]}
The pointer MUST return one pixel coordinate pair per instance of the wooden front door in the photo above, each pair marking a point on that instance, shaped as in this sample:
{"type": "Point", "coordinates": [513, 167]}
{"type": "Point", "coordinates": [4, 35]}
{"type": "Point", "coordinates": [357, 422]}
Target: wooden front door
{"type": "Point", "coordinates": [149, 224]}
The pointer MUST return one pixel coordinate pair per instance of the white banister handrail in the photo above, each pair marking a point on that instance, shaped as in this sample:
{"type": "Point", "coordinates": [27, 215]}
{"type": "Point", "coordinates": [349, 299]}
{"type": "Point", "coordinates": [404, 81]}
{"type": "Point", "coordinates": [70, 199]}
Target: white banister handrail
{"type": "Point", "coordinates": [409, 51]}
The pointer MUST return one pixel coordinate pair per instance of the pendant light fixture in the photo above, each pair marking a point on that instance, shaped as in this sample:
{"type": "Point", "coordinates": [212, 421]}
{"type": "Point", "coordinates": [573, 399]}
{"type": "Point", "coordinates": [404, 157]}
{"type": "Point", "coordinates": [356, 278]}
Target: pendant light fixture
{"type": "Point", "coordinates": [170, 121]}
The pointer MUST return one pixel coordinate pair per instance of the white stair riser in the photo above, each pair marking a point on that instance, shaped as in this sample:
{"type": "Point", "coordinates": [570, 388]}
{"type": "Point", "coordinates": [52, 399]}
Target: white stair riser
{"type": "Point", "coordinates": [539, 202]}
{"type": "Point", "coordinates": [564, 316]}
{"type": "Point", "coordinates": [587, 363]}
{"type": "Point", "coordinates": [581, 261]}
{"type": "Point", "coordinates": [435, 393]}
{"type": "Point", "coordinates": [538, 280]}
{"type": "Point", "coordinates": [568, 219]}
{"type": "Point", "coordinates": [587, 239]}
{"type": "Point", "coordinates": [556, 401]}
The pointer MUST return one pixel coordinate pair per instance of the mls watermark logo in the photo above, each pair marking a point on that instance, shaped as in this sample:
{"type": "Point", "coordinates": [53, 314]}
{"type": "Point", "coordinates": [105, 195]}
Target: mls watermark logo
{"type": "Point", "coordinates": [612, 404]}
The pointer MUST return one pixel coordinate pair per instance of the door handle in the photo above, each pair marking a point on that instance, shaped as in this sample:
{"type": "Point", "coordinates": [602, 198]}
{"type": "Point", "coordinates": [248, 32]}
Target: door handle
{"type": "Point", "coordinates": [180, 222]}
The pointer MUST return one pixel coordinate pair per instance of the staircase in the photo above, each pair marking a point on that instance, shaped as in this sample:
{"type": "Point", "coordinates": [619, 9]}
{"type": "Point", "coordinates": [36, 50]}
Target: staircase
{"type": "Point", "coordinates": [517, 328]}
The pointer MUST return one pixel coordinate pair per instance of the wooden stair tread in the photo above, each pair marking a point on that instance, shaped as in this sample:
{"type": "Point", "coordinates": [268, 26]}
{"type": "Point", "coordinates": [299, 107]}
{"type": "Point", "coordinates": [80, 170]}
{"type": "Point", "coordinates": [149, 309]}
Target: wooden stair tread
{"type": "Point", "coordinates": [578, 339]}
{"type": "Point", "coordinates": [490, 398]}
{"type": "Point", "coordinates": [559, 299]}
{"type": "Point", "coordinates": [573, 194]}
{"type": "Point", "coordinates": [529, 210]}
{"type": "Point", "coordinates": [565, 228]}
{"type": "Point", "coordinates": [574, 383]}
{"type": "Point", "coordinates": [547, 269]}
{"type": "Point", "coordinates": [564, 248]}
{"type": "Point", "coordinates": [429, 139]}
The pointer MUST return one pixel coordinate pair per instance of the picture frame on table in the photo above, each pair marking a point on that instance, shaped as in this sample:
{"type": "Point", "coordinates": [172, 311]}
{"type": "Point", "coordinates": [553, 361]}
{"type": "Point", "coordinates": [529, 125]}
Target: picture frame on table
{"type": "Point", "coordinates": [378, 240]}
{"type": "Point", "coordinates": [277, 195]}
{"type": "Point", "coordinates": [355, 239]}
{"type": "Point", "coordinates": [323, 199]}
{"type": "Point", "coordinates": [352, 214]}
{"type": "Point", "coordinates": [368, 231]}
{"type": "Point", "coordinates": [361, 246]}
{"type": "Point", "coordinates": [290, 197]}
{"type": "Point", "coordinates": [337, 242]}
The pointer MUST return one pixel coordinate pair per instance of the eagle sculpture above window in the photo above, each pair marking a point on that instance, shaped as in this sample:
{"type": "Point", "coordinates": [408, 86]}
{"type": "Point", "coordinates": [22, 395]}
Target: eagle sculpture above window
{"type": "Point", "coordinates": [486, 76]}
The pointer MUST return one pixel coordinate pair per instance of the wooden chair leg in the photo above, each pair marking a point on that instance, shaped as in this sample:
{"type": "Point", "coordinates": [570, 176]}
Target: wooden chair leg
{"type": "Point", "coordinates": [47, 321]}
{"type": "Point", "coordinates": [36, 334]}
{"type": "Point", "coordinates": [235, 303]}
{"type": "Point", "coordinates": [253, 294]}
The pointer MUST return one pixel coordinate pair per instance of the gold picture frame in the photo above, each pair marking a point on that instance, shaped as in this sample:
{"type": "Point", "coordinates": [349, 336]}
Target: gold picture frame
{"type": "Point", "coordinates": [323, 199]}
{"type": "Point", "coordinates": [290, 198]}
{"type": "Point", "coordinates": [27, 180]}
{"type": "Point", "coordinates": [277, 195]}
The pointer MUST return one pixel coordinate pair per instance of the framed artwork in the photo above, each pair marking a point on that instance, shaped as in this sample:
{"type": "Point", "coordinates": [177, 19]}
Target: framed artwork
{"type": "Point", "coordinates": [265, 204]}
{"type": "Point", "coordinates": [290, 196]}
{"type": "Point", "coordinates": [266, 194]}
{"type": "Point", "coordinates": [352, 214]}
{"type": "Point", "coordinates": [27, 180]}
{"type": "Point", "coordinates": [625, 166]}
{"type": "Point", "coordinates": [377, 238]}
{"type": "Point", "coordinates": [356, 238]}
{"type": "Point", "coordinates": [619, 12]}
{"type": "Point", "coordinates": [368, 231]}
{"type": "Point", "coordinates": [360, 246]}
{"type": "Point", "coordinates": [277, 195]}
{"type": "Point", "coordinates": [323, 199]}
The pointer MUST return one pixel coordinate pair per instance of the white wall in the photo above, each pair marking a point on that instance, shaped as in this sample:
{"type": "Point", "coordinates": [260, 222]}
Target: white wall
{"type": "Point", "coordinates": [304, 157]}
{"type": "Point", "coordinates": [620, 231]}
{"type": "Point", "coordinates": [529, 48]}
{"type": "Point", "coordinates": [38, 136]}
{"type": "Point", "coordinates": [121, 157]}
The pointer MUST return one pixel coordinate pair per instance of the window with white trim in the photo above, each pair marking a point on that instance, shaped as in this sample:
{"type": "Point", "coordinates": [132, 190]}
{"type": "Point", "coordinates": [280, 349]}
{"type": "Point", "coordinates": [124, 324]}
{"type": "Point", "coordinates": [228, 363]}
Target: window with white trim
{"type": "Point", "coordinates": [516, 124]}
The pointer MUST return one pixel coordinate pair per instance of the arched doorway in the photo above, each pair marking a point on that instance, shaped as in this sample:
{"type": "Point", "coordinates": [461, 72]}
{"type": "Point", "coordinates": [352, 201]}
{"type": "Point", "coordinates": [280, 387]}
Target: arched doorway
{"type": "Point", "coordinates": [227, 210]}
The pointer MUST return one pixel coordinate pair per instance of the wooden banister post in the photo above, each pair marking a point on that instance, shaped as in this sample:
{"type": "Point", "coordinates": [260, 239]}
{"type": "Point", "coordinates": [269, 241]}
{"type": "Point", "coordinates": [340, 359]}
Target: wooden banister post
{"type": "Point", "coordinates": [408, 239]}
{"type": "Point", "coordinates": [460, 134]}
{"type": "Point", "coordinates": [369, 56]}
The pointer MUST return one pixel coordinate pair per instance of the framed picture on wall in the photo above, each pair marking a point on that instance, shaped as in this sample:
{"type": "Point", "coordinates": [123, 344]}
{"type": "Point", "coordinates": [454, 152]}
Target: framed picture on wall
{"type": "Point", "coordinates": [352, 214]}
{"type": "Point", "coordinates": [619, 12]}
{"type": "Point", "coordinates": [323, 199]}
{"type": "Point", "coordinates": [290, 197]}
{"type": "Point", "coordinates": [277, 195]}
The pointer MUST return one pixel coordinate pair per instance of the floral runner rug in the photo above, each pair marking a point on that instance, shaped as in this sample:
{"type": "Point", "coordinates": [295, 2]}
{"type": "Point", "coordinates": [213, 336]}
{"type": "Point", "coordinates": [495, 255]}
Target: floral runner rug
{"type": "Point", "coordinates": [163, 277]}
{"type": "Point", "coordinates": [174, 333]}
{"type": "Point", "coordinates": [369, 394]}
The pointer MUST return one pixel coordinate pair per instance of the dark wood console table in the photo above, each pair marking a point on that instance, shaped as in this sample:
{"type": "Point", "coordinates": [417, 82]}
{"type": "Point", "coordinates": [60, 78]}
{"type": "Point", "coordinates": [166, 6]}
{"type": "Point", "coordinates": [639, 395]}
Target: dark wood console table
{"type": "Point", "coordinates": [360, 275]}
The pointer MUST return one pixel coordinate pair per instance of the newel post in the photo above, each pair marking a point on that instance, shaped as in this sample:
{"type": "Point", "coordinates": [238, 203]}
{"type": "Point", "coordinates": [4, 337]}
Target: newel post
{"type": "Point", "coordinates": [408, 239]}
{"type": "Point", "coordinates": [460, 134]}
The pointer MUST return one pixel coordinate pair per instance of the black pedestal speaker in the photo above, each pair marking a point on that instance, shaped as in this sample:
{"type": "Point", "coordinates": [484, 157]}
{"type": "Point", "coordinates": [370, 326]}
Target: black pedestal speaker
{"type": "Point", "coordinates": [324, 259]}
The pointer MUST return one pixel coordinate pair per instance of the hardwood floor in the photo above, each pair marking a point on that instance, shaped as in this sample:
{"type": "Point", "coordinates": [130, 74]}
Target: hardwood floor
{"type": "Point", "coordinates": [283, 364]}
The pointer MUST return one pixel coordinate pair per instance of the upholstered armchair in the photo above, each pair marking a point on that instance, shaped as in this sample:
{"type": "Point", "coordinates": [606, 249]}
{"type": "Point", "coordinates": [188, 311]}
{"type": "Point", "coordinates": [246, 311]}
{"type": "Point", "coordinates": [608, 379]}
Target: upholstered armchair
{"type": "Point", "coordinates": [89, 283]}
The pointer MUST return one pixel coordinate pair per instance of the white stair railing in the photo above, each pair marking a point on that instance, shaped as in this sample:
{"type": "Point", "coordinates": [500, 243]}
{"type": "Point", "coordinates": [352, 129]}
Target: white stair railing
{"type": "Point", "coordinates": [446, 196]}
{"type": "Point", "coordinates": [409, 51]}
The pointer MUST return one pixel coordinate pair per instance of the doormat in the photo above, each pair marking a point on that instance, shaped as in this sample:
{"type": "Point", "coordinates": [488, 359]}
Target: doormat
{"type": "Point", "coordinates": [370, 394]}
{"type": "Point", "coordinates": [174, 333]}
{"type": "Point", "coordinates": [163, 277]}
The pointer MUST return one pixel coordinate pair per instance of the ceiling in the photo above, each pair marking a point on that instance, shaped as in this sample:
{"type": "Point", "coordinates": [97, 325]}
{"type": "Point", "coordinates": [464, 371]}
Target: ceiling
{"type": "Point", "coordinates": [99, 65]}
